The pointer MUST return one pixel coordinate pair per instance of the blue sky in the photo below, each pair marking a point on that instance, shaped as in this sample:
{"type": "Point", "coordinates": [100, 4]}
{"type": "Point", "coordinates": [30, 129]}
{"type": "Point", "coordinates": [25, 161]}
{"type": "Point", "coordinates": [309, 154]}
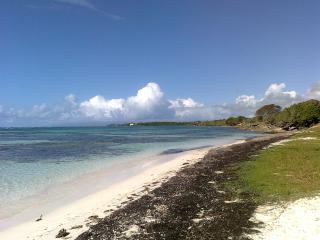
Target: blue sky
{"type": "Point", "coordinates": [210, 51]}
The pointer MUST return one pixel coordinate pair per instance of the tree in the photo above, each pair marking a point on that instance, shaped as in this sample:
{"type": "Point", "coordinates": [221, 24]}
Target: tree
{"type": "Point", "coordinates": [268, 110]}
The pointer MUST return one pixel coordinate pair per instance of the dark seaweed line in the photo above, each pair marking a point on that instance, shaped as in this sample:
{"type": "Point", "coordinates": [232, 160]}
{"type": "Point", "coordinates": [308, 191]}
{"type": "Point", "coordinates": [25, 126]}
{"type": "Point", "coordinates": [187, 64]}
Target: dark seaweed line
{"type": "Point", "coordinates": [191, 205]}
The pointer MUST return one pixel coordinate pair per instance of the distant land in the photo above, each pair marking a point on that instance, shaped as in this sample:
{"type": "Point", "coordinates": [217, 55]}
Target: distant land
{"type": "Point", "coordinates": [269, 118]}
{"type": "Point", "coordinates": [191, 123]}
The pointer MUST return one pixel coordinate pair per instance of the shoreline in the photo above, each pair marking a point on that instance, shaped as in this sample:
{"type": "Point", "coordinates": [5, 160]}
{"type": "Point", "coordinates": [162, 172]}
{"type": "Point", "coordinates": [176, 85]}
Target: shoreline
{"type": "Point", "coordinates": [192, 204]}
{"type": "Point", "coordinates": [103, 202]}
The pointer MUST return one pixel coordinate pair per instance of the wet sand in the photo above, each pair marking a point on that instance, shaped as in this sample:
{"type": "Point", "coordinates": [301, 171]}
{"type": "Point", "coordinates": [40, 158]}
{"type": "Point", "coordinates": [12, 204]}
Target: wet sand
{"type": "Point", "coordinates": [192, 204]}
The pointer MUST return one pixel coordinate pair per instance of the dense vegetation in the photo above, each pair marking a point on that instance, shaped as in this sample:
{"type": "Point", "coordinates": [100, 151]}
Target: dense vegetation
{"type": "Point", "coordinates": [267, 113]}
{"type": "Point", "coordinates": [269, 109]}
{"type": "Point", "coordinates": [234, 121]}
{"type": "Point", "coordinates": [304, 114]}
{"type": "Point", "coordinates": [300, 115]}
{"type": "Point", "coordinates": [162, 124]}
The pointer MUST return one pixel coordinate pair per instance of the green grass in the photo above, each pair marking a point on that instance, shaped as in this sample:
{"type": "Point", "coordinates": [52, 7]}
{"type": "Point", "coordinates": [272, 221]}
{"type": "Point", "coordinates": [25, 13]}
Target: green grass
{"type": "Point", "coordinates": [284, 172]}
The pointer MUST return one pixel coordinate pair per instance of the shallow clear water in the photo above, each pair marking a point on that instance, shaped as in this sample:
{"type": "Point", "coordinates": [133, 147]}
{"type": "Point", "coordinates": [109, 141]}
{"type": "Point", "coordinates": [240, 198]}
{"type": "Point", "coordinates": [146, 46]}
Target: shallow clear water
{"type": "Point", "coordinates": [33, 159]}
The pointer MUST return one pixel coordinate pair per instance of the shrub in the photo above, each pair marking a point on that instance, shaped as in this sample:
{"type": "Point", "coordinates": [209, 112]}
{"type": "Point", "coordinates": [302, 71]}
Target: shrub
{"type": "Point", "coordinates": [233, 121]}
{"type": "Point", "coordinates": [304, 114]}
{"type": "Point", "coordinates": [268, 110]}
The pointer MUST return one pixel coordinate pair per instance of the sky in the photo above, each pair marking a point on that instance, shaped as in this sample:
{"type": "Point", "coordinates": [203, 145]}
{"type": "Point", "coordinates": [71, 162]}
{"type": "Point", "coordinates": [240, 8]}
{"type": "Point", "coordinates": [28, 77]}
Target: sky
{"type": "Point", "coordinates": [82, 62]}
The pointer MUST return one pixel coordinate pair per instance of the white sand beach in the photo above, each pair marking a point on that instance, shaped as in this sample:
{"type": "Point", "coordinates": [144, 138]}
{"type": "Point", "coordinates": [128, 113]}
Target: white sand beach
{"type": "Point", "coordinates": [298, 220]}
{"type": "Point", "coordinates": [99, 204]}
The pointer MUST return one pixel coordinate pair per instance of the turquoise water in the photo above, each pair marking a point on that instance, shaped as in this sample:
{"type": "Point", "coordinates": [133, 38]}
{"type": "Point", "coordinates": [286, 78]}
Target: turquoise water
{"type": "Point", "coordinates": [33, 159]}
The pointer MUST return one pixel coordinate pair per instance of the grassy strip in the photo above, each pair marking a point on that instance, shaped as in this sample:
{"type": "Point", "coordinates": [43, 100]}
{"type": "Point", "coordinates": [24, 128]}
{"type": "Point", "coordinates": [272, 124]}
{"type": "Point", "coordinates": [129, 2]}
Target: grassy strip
{"type": "Point", "coordinates": [283, 172]}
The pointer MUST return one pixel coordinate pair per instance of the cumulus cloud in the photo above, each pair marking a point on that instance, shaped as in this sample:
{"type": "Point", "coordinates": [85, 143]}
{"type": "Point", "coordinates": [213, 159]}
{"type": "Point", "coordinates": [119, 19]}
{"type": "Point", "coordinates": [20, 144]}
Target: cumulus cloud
{"type": "Point", "coordinates": [149, 101]}
{"type": "Point", "coordinates": [184, 103]}
{"type": "Point", "coordinates": [314, 91]}
{"type": "Point", "coordinates": [187, 108]}
{"type": "Point", "coordinates": [98, 107]}
{"type": "Point", "coordinates": [275, 89]}
{"type": "Point", "coordinates": [148, 104]}
{"type": "Point", "coordinates": [150, 94]}
{"type": "Point", "coordinates": [276, 94]}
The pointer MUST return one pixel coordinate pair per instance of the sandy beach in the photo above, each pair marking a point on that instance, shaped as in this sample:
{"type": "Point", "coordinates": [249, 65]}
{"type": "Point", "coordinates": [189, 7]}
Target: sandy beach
{"type": "Point", "coordinates": [128, 205]}
{"type": "Point", "coordinates": [193, 204]}
{"type": "Point", "coordinates": [288, 220]}
{"type": "Point", "coordinates": [78, 215]}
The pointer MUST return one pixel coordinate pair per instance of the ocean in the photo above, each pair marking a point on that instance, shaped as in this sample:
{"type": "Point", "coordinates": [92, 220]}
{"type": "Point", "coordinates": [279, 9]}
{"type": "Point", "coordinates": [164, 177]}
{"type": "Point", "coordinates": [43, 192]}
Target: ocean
{"type": "Point", "coordinates": [41, 164]}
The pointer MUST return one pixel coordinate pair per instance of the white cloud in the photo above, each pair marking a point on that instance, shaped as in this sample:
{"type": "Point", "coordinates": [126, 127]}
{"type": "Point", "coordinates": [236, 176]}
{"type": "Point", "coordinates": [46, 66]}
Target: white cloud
{"type": "Point", "coordinates": [275, 89]}
{"type": "Point", "coordinates": [276, 94]}
{"type": "Point", "coordinates": [37, 111]}
{"type": "Point", "coordinates": [187, 108]}
{"type": "Point", "coordinates": [314, 91]}
{"type": "Point", "coordinates": [98, 107]}
{"type": "Point", "coordinates": [149, 104]}
{"type": "Point", "coordinates": [147, 96]}
{"type": "Point", "coordinates": [71, 99]}
{"type": "Point", "coordinates": [244, 105]}
{"type": "Point", "coordinates": [248, 101]}
{"type": "Point", "coordinates": [184, 103]}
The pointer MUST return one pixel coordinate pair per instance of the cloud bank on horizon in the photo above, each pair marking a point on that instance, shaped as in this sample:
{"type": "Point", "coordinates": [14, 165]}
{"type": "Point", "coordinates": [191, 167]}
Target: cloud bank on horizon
{"type": "Point", "coordinates": [149, 104]}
